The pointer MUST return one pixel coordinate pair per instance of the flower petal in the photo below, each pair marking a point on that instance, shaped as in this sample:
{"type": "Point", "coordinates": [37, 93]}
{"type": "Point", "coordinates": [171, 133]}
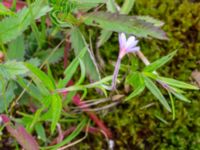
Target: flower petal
{"type": "Point", "coordinates": [134, 49]}
{"type": "Point", "coordinates": [131, 42]}
{"type": "Point", "coordinates": [122, 40]}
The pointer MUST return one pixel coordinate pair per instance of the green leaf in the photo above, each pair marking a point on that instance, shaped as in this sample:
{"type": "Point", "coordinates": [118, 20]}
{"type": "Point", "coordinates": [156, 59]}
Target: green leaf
{"type": "Point", "coordinates": [13, 26]}
{"type": "Point", "coordinates": [97, 84]}
{"type": "Point", "coordinates": [159, 63]}
{"type": "Point", "coordinates": [44, 54]}
{"type": "Point", "coordinates": [7, 96]}
{"type": "Point", "coordinates": [16, 49]}
{"type": "Point", "coordinates": [178, 84]}
{"type": "Point", "coordinates": [111, 6]}
{"type": "Point", "coordinates": [85, 5]}
{"type": "Point", "coordinates": [35, 119]}
{"type": "Point", "coordinates": [70, 137]}
{"type": "Point", "coordinates": [40, 131]}
{"type": "Point", "coordinates": [83, 73]}
{"type": "Point", "coordinates": [46, 80]}
{"type": "Point", "coordinates": [181, 97]}
{"type": "Point", "coordinates": [137, 91]}
{"type": "Point", "coordinates": [79, 43]}
{"type": "Point", "coordinates": [56, 111]}
{"type": "Point", "coordinates": [105, 35]}
{"type": "Point", "coordinates": [137, 81]}
{"type": "Point", "coordinates": [156, 92]}
{"type": "Point", "coordinates": [11, 69]}
{"type": "Point", "coordinates": [151, 20]}
{"type": "Point", "coordinates": [30, 88]}
{"type": "Point", "coordinates": [173, 106]}
{"type": "Point", "coordinates": [5, 11]}
{"type": "Point", "coordinates": [127, 6]}
{"type": "Point", "coordinates": [123, 23]}
{"type": "Point", "coordinates": [71, 69]}
{"type": "Point", "coordinates": [161, 119]}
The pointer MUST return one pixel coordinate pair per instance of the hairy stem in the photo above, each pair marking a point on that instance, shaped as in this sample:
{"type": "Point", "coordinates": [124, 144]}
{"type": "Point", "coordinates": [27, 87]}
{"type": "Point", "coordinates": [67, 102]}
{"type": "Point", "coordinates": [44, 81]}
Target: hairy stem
{"type": "Point", "coordinates": [116, 71]}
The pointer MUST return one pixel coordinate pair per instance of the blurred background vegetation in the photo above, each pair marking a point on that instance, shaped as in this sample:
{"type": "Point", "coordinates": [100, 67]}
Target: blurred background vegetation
{"type": "Point", "coordinates": [142, 123]}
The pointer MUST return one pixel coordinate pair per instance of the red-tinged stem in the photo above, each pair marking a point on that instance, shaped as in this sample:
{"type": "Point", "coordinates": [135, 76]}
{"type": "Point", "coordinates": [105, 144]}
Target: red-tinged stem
{"type": "Point", "coordinates": [66, 51]}
{"type": "Point", "coordinates": [77, 101]}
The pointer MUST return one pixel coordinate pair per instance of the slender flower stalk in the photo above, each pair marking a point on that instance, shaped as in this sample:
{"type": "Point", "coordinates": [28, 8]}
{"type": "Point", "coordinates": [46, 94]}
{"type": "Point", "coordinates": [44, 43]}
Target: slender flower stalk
{"type": "Point", "coordinates": [126, 46]}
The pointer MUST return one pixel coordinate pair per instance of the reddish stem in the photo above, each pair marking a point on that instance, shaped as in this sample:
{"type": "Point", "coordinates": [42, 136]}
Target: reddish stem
{"type": "Point", "coordinates": [77, 101]}
{"type": "Point", "coordinates": [66, 51]}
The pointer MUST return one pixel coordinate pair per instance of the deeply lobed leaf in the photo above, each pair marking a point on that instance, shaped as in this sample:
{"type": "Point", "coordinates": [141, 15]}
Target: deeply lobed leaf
{"type": "Point", "coordinates": [123, 23]}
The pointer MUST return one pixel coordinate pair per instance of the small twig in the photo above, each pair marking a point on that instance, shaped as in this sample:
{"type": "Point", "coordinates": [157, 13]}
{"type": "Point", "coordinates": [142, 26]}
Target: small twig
{"type": "Point", "coordinates": [143, 58]}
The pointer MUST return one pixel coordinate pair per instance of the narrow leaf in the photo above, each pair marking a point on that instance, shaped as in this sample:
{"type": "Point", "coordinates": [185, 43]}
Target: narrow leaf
{"type": "Point", "coordinates": [173, 106]}
{"type": "Point", "coordinates": [159, 63]}
{"type": "Point", "coordinates": [156, 92]}
{"type": "Point", "coordinates": [111, 6]}
{"type": "Point", "coordinates": [127, 6]}
{"type": "Point", "coordinates": [69, 138]}
{"type": "Point", "coordinates": [181, 97]}
{"type": "Point", "coordinates": [40, 132]}
{"type": "Point", "coordinates": [42, 76]}
{"type": "Point", "coordinates": [7, 96]}
{"type": "Point", "coordinates": [79, 43]}
{"type": "Point", "coordinates": [176, 83]}
{"type": "Point", "coordinates": [56, 110]}
{"type": "Point", "coordinates": [71, 69]}
{"type": "Point", "coordinates": [105, 35]}
{"type": "Point", "coordinates": [137, 81]}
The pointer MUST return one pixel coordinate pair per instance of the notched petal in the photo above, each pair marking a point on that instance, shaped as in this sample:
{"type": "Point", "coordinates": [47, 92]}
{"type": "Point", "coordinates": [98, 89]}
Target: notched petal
{"type": "Point", "coordinates": [122, 40]}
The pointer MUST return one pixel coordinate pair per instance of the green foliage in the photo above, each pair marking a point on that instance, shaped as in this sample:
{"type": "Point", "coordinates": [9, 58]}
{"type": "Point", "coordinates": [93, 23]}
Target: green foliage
{"type": "Point", "coordinates": [11, 69]}
{"type": "Point", "coordinates": [136, 80]}
{"type": "Point", "coordinates": [43, 55]}
{"type": "Point", "coordinates": [71, 69]}
{"type": "Point", "coordinates": [6, 96]}
{"type": "Point", "coordinates": [156, 92]}
{"type": "Point", "coordinates": [13, 26]}
{"type": "Point", "coordinates": [127, 6]}
{"type": "Point", "coordinates": [78, 44]}
{"type": "Point", "coordinates": [159, 63]}
{"type": "Point", "coordinates": [5, 11]}
{"type": "Point", "coordinates": [123, 23]}
{"type": "Point", "coordinates": [16, 49]}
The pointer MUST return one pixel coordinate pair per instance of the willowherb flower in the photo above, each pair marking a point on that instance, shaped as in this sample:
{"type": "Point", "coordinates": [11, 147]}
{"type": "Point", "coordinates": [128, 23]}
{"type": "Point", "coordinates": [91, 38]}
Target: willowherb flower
{"type": "Point", "coordinates": [125, 46]}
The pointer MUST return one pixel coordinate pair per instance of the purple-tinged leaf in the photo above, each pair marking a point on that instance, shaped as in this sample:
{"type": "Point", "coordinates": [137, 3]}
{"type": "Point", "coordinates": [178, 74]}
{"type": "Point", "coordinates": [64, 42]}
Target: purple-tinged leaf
{"type": "Point", "coordinates": [20, 134]}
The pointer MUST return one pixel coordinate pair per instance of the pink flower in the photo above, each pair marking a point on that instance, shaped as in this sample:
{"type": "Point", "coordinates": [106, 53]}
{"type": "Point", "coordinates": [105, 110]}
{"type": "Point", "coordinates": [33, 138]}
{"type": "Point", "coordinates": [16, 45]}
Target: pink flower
{"type": "Point", "coordinates": [127, 46]}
